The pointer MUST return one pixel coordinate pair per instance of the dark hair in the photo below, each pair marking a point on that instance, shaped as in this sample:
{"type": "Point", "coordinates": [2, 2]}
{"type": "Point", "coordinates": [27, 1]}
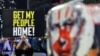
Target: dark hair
{"type": "Point", "coordinates": [22, 44]}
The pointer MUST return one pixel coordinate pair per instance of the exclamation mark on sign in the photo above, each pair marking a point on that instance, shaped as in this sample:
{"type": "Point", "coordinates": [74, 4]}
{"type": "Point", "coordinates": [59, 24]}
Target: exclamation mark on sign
{"type": "Point", "coordinates": [33, 31]}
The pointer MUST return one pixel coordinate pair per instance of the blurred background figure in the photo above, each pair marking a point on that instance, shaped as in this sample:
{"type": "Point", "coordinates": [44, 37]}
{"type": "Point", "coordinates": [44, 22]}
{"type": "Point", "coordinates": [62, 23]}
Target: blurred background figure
{"type": "Point", "coordinates": [95, 12]}
{"type": "Point", "coordinates": [8, 46]}
{"type": "Point", "coordinates": [2, 40]}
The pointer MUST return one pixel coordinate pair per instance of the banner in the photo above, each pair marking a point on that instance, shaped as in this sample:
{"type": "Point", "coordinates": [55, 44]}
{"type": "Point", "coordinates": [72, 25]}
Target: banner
{"type": "Point", "coordinates": [19, 22]}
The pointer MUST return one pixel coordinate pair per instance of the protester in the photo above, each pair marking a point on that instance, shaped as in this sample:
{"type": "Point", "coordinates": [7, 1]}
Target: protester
{"type": "Point", "coordinates": [23, 47]}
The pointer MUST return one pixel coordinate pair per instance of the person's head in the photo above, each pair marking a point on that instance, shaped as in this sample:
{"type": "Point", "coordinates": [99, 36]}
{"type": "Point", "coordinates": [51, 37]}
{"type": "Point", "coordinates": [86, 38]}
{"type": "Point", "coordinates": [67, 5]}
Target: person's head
{"type": "Point", "coordinates": [23, 46]}
{"type": "Point", "coordinates": [3, 40]}
{"type": "Point", "coordinates": [10, 39]}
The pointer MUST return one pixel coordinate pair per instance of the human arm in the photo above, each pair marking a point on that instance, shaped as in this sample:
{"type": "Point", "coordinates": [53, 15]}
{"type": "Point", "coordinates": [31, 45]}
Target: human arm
{"type": "Point", "coordinates": [27, 44]}
{"type": "Point", "coordinates": [19, 44]}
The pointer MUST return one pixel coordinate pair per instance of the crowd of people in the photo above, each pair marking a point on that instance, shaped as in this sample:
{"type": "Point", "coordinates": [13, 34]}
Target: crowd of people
{"type": "Point", "coordinates": [21, 46]}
